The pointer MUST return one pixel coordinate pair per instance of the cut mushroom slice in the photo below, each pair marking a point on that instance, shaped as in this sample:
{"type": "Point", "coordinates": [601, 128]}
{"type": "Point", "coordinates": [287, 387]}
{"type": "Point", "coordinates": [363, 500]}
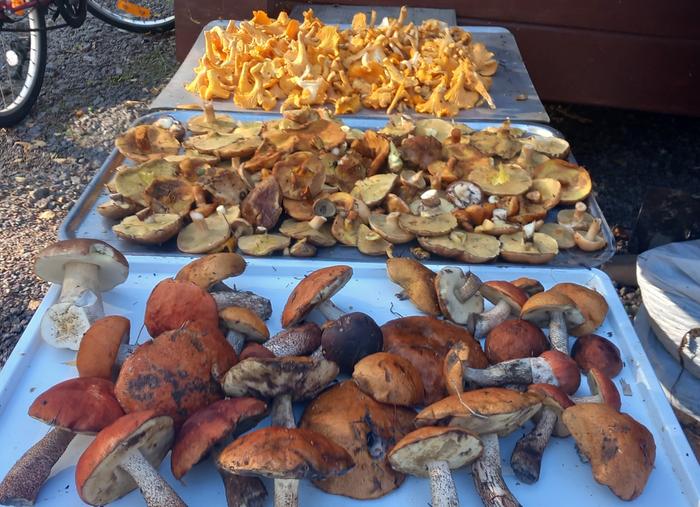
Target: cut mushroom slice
{"type": "Point", "coordinates": [77, 406]}
{"type": "Point", "coordinates": [287, 456]}
{"type": "Point", "coordinates": [598, 428]}
{"type": "Point", "coordinates": [387, 226]}
{"type": "Point", "coordinates": [438, 225]}
{"type": "Point", "coordinates": [467, 247]}
{"type": "Point", "coordinates": [490, 413]}
{"type": "Point", "coordinates": [593, 240]}
{"type": "Point", "coordinates": [575, 181]}
{"type": "Point", "coordinates": [124, 456]}
{"type": "Point", "coordinates": [556, 311]}
{"type": "Point", "coordinates": [371, 243]}
{"type": "Point", "coordinates": [417, 281]}
{"type": "Point", "coordinates": [432, 452]}
{"type": "Point", "coordinates": [146, 142]}
{"type": "Point", "coordinates": [131, 182]}
{"type": "Point", "coordinates": [211, 122]}
{"type": "Point", "coordinates": [263, 244]}
{"type": "Point", "coordinates": [528, 247]}
{"type": "Point", "coordinates": [577, 218]}
{"type": "Point", "coordinates": [458, 295]}
{"type": "Point", "coordinates": [374, 189]}
{"type": "Point", "coordinates": [554, 147]}
{"type": "Point", "coordinates": [203, 234]}
{"type": "Point", "coordinates": [316, 231]}
{"type": "Point", "coordinates": [563, 235]}
{"type": "Point", "coordinates": [505, 179]}
{"type": "Point", "coordinates": [315, 291]}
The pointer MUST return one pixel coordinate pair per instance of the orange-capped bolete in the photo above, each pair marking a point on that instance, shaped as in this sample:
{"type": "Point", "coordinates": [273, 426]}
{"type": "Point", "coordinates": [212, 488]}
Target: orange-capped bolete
{"type": "Point", "coordinates": [315, 291]}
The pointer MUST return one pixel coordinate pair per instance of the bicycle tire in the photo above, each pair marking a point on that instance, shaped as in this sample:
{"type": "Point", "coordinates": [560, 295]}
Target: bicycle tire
{"type": "Point", "coordinates": [118, 21]}
{"type": "Point", "coordinates": [37, 24]}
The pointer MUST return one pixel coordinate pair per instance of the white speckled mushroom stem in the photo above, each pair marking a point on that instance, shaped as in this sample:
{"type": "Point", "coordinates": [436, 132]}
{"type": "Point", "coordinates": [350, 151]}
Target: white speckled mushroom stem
{"type": "Point", "coordinates": [486, 321]}
{"type": "Point", "coordinates": [487, 476]}
{"type": "Point", "coordinates": [442, 486]}
{"type": "Point", "coordinates": [281, 413]}
{"type": "Point", "coordinates": [329, 310]}
{"type": "Point", "coordinates": [527, 455]}
{"type": "Point", "coordinates": [595, 398]}
{"type": "Point", "coordinates": [530, 370]}
{"type": "Point", "coordinates": [236, 339]}
{"type": "Point", "coordinates": [22, 483]}
{"type": "Point", "coordinates": [286, 493]}
{"type": "Point", "coordinates": [155, 490]}
{"type": "Point", "coordinates": [558, 333]}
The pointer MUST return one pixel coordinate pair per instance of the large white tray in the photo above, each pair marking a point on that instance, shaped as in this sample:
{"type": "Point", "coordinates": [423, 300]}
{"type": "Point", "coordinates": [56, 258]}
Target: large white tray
{"type": "Point", "coordinates": [34, 366]}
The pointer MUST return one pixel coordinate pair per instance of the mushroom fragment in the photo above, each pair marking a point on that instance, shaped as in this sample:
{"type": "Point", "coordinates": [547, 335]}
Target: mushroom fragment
{"type": "Point", "coordinates": [556, 311]}
{"type": "Point", "coordinates": [389, 378]}
{"type": "Point", "coordinates": [315, 231]}
{"type": "Point", "coordinates": [577, 218]}
{"type": "Point", "coordinates": [85, 268]}
{"type": "Point", "coordinates": [286, 455]}
{"type": "Point", "coordinates": [103, 348]}
{"type": "Point", "coordinates": [593, 351]}
{"type": "Point", "coordinates": [490, 413]}
{"type": "Point", "coordinates": [302, 248]}
{"type": "Point", "coordinates": [554, 147]}
{"type": "Point", "coordinates": [458, 295]}
{"type": "Point", "coordinates": [621, 450]}
{"type": "Point", "coordinates": [550, 367]}
{"type": "Point", "coordinates": [602, 389]}
{"type": "Point", "coordinates": [371, 243]}
{"type": "Point", "coordinates": [124, 456]}
{"type": "Point", "coordinates": [315, 291]}
{"type": "Point", "coordinates": [374, 189]}
{"type": "Point", "coordinates": [82, 405]}
{"type": "Point", "coordinates": [593, 240]}
{"type": "Point", "coordinates": [417, 281]}
{"type": "Point", "coordinates": [388, 227]}
{"type": "Point", "coordinates": [562, 234]}
{"type": "Point", "coordinates": [433, 451]}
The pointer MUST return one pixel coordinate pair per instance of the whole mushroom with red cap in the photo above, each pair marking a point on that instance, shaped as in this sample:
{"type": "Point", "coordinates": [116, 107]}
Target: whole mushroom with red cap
{"type": "Point", "coordinates": [123, 457]}
{"type": "Point", "coordinates": [602, 389]}
{"type": "Point", "coordinates": [526, 459]}
{"type": "Point", "coordinates": [556, 311]}
{"type": "Point", "coordinates": [315, 292]}
{"type": "Point", "coordinates": [85, 268]}
{"type": "Point", "coordinates": [593, 351]}
{"type": "Point", "coordinates": [550, 367]}
{"type": "Point", "coordinates": [514, 339]}
{"type": "Point", "coordinates": [76, 406]}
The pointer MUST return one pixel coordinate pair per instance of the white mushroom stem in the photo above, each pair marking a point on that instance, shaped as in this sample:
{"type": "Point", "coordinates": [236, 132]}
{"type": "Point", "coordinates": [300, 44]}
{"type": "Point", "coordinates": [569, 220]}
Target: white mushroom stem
{"type": "Point", "coordinates": [558, 332]}
{"type": "Point", "coordinates": [236, 339]}
{"type": "Point", "coordinates": [430, 198]}
{"type": "Point", "coordinates": [526, 459]}
{"type": "Point", "coordinates": [468, 289]}
{"type": "Point", "coordinates": [488, 478]}
{"type": "Point", "coordinates": [317, 222]}
{"type": "Point", "coordinates": [78, 277]}
{"type": "Point", "coordinates": [593, 230]}
{"type": "Point", "coordinates": [286, 492]}
{"type": "Point", "coordinates": [442, 486]}
{"type": "Point", "coordinates": [528, 231]}
{"type": "Point", "coordinates": [281, 413]}
{"type": "Point", "coordinates": [484, 322]}
{"type": "Point", "coordinates": [579, 210]}
{"type": "Point", "coordinates": [22, 483]}
{"type": "Point", "coordinates": [330, 311]}
{"type": "Point", "coordinates": [209, 112]}
{"type": "Point", "coordinates": [155, 490]}
{"type": "Point", "coordinates": [198, 220]}
{"type": "Point", "coordinates": [529, 370]}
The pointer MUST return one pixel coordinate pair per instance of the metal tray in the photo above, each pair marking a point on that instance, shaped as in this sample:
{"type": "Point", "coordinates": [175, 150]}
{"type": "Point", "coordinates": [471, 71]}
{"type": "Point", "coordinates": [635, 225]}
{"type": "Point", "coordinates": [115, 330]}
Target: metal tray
{"type": "Point", "coordinates": [35, 366]}
{"type": "Point", "coordinates": [511, 82]}
{"type": "Point", "coordinates": [83, 221]}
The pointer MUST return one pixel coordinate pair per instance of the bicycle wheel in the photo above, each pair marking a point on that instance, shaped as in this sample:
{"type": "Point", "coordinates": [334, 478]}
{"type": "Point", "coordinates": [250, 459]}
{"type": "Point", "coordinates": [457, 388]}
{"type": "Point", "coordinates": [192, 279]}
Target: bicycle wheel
{"type": "Point", "coordinates": [141, 17]}
{"type": "Point", "coordinates": [22, 66]}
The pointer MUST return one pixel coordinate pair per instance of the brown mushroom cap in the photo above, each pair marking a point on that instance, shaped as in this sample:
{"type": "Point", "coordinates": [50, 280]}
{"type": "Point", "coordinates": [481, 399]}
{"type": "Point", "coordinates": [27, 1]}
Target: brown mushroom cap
{"type": "Point", "coordinates": [424, 341]}
{"type": "Point", "coordinates": [153, 230]}
{"type": "Point", "coordinates": [211, 269]}
{"type": "Point", "coordinates": [145, 142]}
{"type": "Point", "coordinates": [487, 410]}
{"type": "Point", "coordinates": [80, 405]}
{"type": "Point", "coordinates": [349, 338]}
{"type": "Point", "coordinates": [498, 290]}
{"type": "Point", "coordinates": [417, 282]}
{"type": "Point", "coordinates": [459, 356]}
{"type": "Point", "coordinates": [98, 477]}
{"type": "Point", "coordinates": [575, 180]}
{"type": "Point", "coordinates": [285, 453]}
{"type": "Point", "coordinates": [529, 285]}
{"type": "Point", "coordinates": [540, 250]}
{"type": "Point", "coordinates": [514, 339]}
{"type": "Point", "coordinates": [538, 307]}
{"type": "Point", "coordinates": [593, 351]}
{"type": "Point", "coordinates": [246, 322]}
{"type": "Point", "coordinates": [315, 288]}
{"type": "Point", "coordinates": [173, 303]}
{"type": "Point", "coordinates": [564, 370]}
{"type": "Point", "coordinates": [621, 450]}
{"type": "Point", "coordinates": [300, 376]}
{"type": "Point", "coordinates": [262, 206]}
{"type": "Point", "coordinates": [367, 429]}
{"type": "Point", "coordinates": [591, 304]}
{"type": "Point", "coordinates": [253, 349]}
{"type": "Point", "coordinates": [209, 426]}
{"type": "Point", "coordinates": [467, 247]}
{"type": "Point", "coordinates": [374, 189]}
{"type": "Point", "coordinates": [389, 378]}
{"type": "Point", "coordinates": [100, 346]}
{"type": "Point", "coordinates": [600, 384]}
{"type": "Point", "coordinates": [437, 225]}
{"type": "Point", "coordinates": [556, 400]}
{"type": "Point", "coordinates": [262, 244]}
{"type": "Point", "coordinates": [170, 374]}
{"type": "Point", "coordinates": [456, 446]}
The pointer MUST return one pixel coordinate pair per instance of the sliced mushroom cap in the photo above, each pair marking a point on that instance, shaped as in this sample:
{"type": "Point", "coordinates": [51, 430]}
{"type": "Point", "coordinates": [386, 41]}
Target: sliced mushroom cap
{"type": "Point", "coordinates": [146, 142]}
{"type": "Point", "coordinates": [387, 226]}
{"type": "Point", "coordinates": [554, 147]}
{"type": "Point", "coordinates": [152, 230]}
{"type": "Point", "coordinates": [591, 304]}
{"type": "Point", "coordinates": [300, 175]}
{"type": "Point", "coordinates": [371, 243]}
{"type": "Point", "coordinates": [504, 179]}
{"type": "Point", "coordinates": [575, 181]}
{"type": "Point", "coordinates": [389, 378]}
{"type": "Point", "coordinates": [132, 182]}
{"type": "Point", "coordinates": [499, 143]}
{"type": "Point", "coordinates": [417, 282]}
{"type": "Point", "coordinates": [621, 450]}
{"type": "Point", "coordinates": [464, 246]}
{"type": "Point", "coordinates": [439, 129]}
{"type": "Point", "coordinates": [438, 225]}
{"type": "Point", "coordinates": [540, 250]}
{"type": "Point", "coordinates": [564, 236]}
{"type": "Point", "coordinates": [263, 244]}
{"type": "Point", "coordinates": [320, 236]}
{"type": "Point", "coordinates": [374, 189]}
{"type": "Point", "coordinates": [458, 295]}
{"type": "Point", "coordinates": [204, 234]}
{"type": "Point", "coordinates": [317, 287]}
{"type": "Point", "coordinates": [211, 269]}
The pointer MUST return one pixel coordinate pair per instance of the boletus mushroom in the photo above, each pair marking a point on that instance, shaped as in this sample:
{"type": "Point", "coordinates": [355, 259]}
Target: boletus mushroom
{"type": "Point", "coordinates": [528, 246]}
{"type": "Point", "coordinates": [389, 378]}
{"type": "Point", "coordinates": [349, 338]}
{"type": "Point", "coordinates": [77, 406]}
{"type": "Point", "coordinates": [417, 282]}
{"type": "Point", "coordinates": [575, 180]}
{"type": "Point", "coordinates": [514, 339]}
{"type": "Point", "coordinates": [315, 291]}
{"type": "Point", "coordinates": [458, 295]}
{"type": "Point", "coordinates": [556, 311]}
{"type": "Point", "coordinates": [602, 390]}
{"type": "Point", "coordinates": [507, 299]}
{"type": "Point", "coordinates": [593, 351]}
{"type": "Point", "coordinates": [104, 347]}
{"type": "Point", "coordinates": [153, 229]}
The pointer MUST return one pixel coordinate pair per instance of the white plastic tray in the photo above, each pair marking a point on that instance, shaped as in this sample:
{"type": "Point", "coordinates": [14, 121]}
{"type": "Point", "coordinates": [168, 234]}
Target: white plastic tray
{"type": "Point", "coordinates": [34, 366]}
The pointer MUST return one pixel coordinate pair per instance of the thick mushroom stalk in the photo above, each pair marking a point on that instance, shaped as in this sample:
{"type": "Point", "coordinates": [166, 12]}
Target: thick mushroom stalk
{"type": "Point", "coordinates": [507, 300]}
{"type": "Point", "coordinates": [442, 485]}
{"type": "Point", "coordinates": [558, 334]}
{"type": "Point", "coordinates": [556, 311]}
{"type": "Point", "coordinates": [330, 310]}
{"type": "Point", "coordinates": [526, 459]}
{"type": "Point", "coordinates": [488, 478]}
{"type": "Point", "coordinates": [281, 413]}
{"type": "Point", "coordinates": [481, 324]}
{"type": "Point", "coordinates": [155, 490]}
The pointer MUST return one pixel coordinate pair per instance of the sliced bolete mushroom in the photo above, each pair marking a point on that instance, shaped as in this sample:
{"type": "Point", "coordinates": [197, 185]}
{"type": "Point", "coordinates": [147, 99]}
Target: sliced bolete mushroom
{"type": "Point", "coordinates": [154, 229]}
{"type": "Point", "coordinates": [593, 351]}
{"type": "Point", "coordinates": [263, 244]}
{"type": "Point", "coordinates": [389, 378]}
{"type": "Point", "coordinates": [575, 180]}
{"type": "Point", "coordinates": [315, 291]}
{"type": "Point", "coordinates": [417, 282]}
{"type": "Point", "coordinates": [621, 450]}
{"type": "Point", "coordinates": [556, 311]}
{"type": "Point", "coordinates": [85, 268]}
{"type": "Point", "coordinates": [458, 294]}
{"type": "Point", "coordinates": [124, 456]}
{"type": "Point", "coordinates": [433, 451]}
{"type": "Point", "coordinates": [302, 248]}
{"type": "Point", "coordinates": [82, 405]}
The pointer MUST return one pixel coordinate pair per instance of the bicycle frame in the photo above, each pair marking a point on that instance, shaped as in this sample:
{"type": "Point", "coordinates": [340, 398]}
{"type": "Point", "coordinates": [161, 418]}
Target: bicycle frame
{"type": "Point", "coordinates": [6, 6]}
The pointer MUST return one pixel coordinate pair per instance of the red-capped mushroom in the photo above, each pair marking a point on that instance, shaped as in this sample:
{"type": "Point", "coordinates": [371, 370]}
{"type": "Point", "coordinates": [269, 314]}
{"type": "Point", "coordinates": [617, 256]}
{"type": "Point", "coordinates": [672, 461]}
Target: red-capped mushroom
{"type": "Point", "coordinates": [602, 389]}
